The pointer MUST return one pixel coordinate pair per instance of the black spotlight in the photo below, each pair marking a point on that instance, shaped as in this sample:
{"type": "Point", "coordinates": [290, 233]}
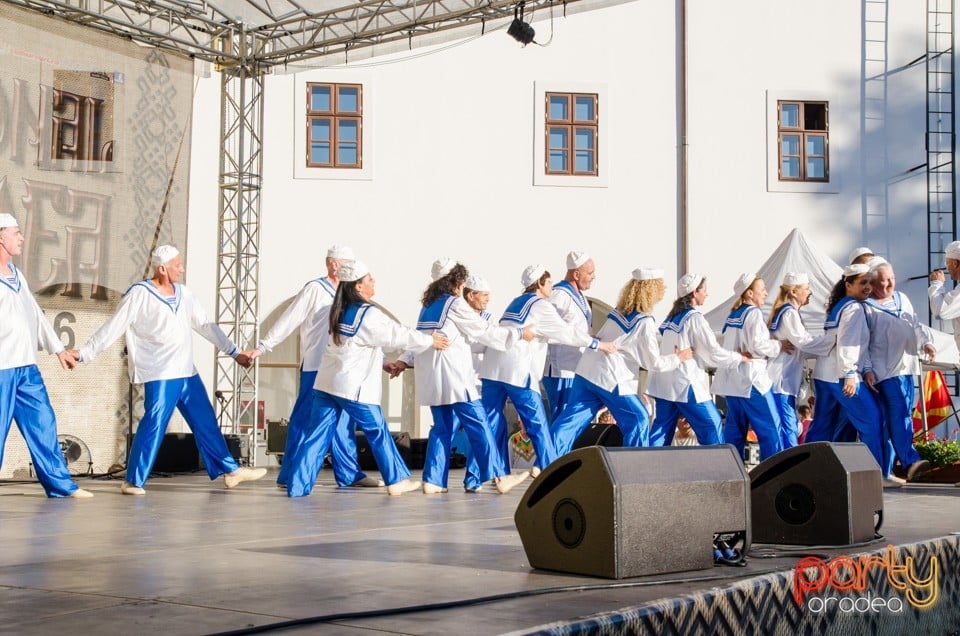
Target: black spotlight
{"type": "Point", "coordinates": [519, 30]}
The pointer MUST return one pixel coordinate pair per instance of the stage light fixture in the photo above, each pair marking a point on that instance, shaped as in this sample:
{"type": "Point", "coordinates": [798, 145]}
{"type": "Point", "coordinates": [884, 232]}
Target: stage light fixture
{"type": "Point", "coordinates": [519, 30]}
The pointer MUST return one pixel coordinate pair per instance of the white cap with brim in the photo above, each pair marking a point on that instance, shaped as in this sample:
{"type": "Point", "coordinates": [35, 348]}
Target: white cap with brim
{"type": "Point", "coordinates": [532, 274]}
{"type": "Point", "coordinates": [876, 263]}
{"type": "Point", "coordinates": [341, 253]}
{"type": "Point", "coordinates": [163, 255]}
{"type": "Point", "coordinates": [792, 279]}
{"type": "Point", "coordinates": [477, 283]}
{"type": "Point", "coordinates": [860, 251]}
{"type": "Point", "coordinates": [576, 259]}
{"type": "Point", "coordinates": [647, 273]}
{"type": "Point", "coordinates": [952, 249]}
{"type": "Point", "coordinates": [855, 270]}
{"type": "Point", "coordinates": [7, 220]}
{"type": "Point", "coordinates": [688, 283]}
{"type": "Point", "coordinates": [353, 271]}
{"type": "Point", "coordinates": [743, 283]}
{"type": "Point", "coordinates": [441, 267]}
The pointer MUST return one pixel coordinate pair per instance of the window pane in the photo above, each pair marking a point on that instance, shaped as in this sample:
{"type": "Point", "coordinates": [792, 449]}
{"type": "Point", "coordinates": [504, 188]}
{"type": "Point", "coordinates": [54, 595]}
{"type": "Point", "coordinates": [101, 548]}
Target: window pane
{"type": "Point", "coordinates": [790, 115]}
{"type": "Point", "coordinates": [790, 168]}
{"type": "Point", "coordinates": [347, 130]}
{"type": "Point", "coordinates": [320, 153]}
{"type": "Point", "coordinates": [347, 154]}
{"type": "Point", "coordinates": [816, 168]}
{"type": "Point", "coordinates": [584, 139]}
{"type": "Point", "coordinates": [584, 161]}
{"type": "Point", "coordinates": [584, 109]}
{"type": "Point", "coordinates": [558, 161]}
{"type": "Point", "coordinates": [320, 130]}
{"type": "Point", "coordinates": [790, 145]}
{"type": "Point", "coordinates": [815, 116]}
{"type": "Point", "coordinates": [320, 98]}
{"type": "Point", "coordinates": [558, 108]}
{"type": "Point", "coordinates": [348, 100]}
{"type": "Point", "coordinates": [558, 138]}
{"type": "Point", "coordinates": [815, 145]}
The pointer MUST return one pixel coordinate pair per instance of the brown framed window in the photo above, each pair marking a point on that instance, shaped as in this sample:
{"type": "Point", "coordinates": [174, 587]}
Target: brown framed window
{"type": "Point", "coordinates": [334, 125]}
{"type": "Point", "coordinates": [803, 141]}
{"type": "Point", "coordinates": [571, 125]}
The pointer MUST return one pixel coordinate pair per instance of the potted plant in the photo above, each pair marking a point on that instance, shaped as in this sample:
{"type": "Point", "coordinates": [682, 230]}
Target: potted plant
{"type": "Point", "coordinates": [944, 457]}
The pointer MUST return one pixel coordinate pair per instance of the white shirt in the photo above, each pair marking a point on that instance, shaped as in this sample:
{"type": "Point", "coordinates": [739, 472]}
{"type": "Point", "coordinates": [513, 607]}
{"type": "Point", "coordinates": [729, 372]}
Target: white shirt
{"type": "Point", "coordinates": [310, 310]}
{"type": "Point", "coordinates": [477, 348]}
{"type": "Point", "coordinates": [946, 306]}
{"type": "Point", "coordinates": [637, 347]}
{"type": "Point", "coordinates": [447, 377]}
{"type": "Point", "coordinates": [159, 335]}
{"type": "Point", "coordinates": [22, 325]}
{"type": "Point", "coordinates": [522, 365]}
{"type": "Point", "coordinates": [850, 356]}
{"type": "Point", "coordinates": [562, 359]}
{"type": "Point", "coordinates": [352, 369]}
{"type": "Point", "coordinates": [673, 385]}
{"type": "Point", "coordinates": [896, 337]}
{"type": "Point", "coordinates": [753, 338]}
{"type": "Point", "coordinates": [786, 370]}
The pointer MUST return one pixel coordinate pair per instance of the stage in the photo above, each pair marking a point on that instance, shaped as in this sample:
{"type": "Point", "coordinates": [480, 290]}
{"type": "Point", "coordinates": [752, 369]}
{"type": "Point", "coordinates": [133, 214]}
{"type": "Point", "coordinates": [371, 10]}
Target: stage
{"type": "Point", "coordinates": [193, 558]}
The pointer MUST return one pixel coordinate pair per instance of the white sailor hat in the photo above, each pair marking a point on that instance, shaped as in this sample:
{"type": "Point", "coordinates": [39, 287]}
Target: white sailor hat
{"type": "Point", "coordinates": [792, 279]}
{"type": "Point", "coordinates": [341, 253]}
{"type": "Point", "coordinates": [743, 283]}
{"type": "Point", "coordinates": [688, 283]}
{"type": "Point", "coordinates": [163, 255]}
{"type": "Point", "coordinates": [441, 267]}
{"type": "Point", "coordinates": [647, 273]}
{"type": "Point", "coordinates": [7, 220]}
{"type": "Point", "coordinates": [532, 274]}
{"type": "Point", "coordinates": [477, 283]}
{"type": "Point", "coordinates": [353, 270]}
{"type": "Point", "coordinates": [576, 259]}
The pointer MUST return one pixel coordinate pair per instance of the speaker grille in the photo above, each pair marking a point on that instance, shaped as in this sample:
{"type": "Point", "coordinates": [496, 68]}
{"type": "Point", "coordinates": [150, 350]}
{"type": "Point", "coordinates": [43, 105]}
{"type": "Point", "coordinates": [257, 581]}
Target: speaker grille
{"type": "Point", "coordinates": [569, 523]}
{"type": "Point", "coordinates": [795, 504]}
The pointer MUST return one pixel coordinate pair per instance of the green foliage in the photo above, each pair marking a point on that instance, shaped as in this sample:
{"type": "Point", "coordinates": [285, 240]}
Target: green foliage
{"type": "Point", "coordinates": [939, 452]}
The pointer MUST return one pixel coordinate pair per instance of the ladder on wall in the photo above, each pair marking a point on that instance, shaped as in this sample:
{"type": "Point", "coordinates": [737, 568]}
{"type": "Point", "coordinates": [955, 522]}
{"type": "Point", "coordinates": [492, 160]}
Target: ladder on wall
{"type": "Point", "coordinates": [940, 140]}
{"type": "Point", "coordinates": [873, 123]}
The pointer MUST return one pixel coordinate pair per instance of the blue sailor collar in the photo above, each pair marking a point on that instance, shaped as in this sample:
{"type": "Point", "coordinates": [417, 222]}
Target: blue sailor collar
{"type": "Point", "coordinates": [677, 323]}
{"type": "Point", "coordinates": [897, 302]}
{"type": "Point", "coordinates": [15, 288]}
{"type": "Point", "coordinates": [150, 287]}
{"type": "Point", "coordinates": [352, 318]}
{"type": "Point", "coordinates": [779, 314]}
{"type": "Point", "coordinates": [737, 317]}
{"type": "Point", "coordinates": [832, 320]}
{"type": "Point", "coordinates": [629, 322]}
{"type": "Point", "coordinates": [519, 308]}
{"type": "Point", "coordinates": [486, 315]}
{"type": "Point", "coordinates": [578, 298]}
{"type": "Point", "coordinates": [325, 283]}
{"type": "Point", "coordinates": [434, 315]}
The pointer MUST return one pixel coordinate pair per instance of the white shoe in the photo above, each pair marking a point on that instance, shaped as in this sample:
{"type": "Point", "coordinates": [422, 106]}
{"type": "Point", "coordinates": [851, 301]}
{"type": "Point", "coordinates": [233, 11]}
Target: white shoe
{"type": "Point", "coordinates": [129, 489]}
{"type": "Point", "coordinates": [473, 490]}
{"type": "Point", "coordinates": [891, 483]}
{"type": "Point", "coordinates": [367, 482]}
{"type": "Point", "coordinates": [80, 493]}
{"type": "Point", "coordinates": [432, 489]}
{"type": "Point", "coordinates": [918, 469]}
{"type": "Point", "coordinates": [535, 471]}
{"type": "Point", "coordinates": [401, 487]}
{"type": "Point", "coordinates": [242, 474]}
{"type": "Point", "coordinates": [507, 482]}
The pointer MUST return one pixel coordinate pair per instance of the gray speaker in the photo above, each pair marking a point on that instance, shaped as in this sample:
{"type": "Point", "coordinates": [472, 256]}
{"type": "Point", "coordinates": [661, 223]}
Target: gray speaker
{"type": "Point", "coordinates": [623, 512]}
{"type": "Point", "coordinates": [820, 493]}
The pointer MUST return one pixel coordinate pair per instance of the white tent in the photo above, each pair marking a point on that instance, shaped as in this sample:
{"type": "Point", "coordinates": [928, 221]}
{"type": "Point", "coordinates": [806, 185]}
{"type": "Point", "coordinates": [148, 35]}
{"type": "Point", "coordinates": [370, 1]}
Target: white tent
{"type": "Point", "coordinates": [797, 254]}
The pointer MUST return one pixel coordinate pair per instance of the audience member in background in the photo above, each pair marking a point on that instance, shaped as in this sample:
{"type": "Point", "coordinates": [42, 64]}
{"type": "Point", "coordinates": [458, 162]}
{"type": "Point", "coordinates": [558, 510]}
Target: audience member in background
{"type": "Point", "coordinates": [685, 436]}
{"type": "Point", "coordinates": [805, 415]}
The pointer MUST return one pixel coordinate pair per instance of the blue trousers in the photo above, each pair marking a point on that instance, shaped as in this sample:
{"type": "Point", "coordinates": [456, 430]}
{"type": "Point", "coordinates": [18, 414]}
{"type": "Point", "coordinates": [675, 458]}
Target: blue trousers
{"type": "Point", "coordinates": [326, 412]}
{"type": "Point", "coordinates": [789, 424]}
{"type": "Point", "coordinates": [834, 409]}
{"type": "Point", "coordinates": [189, 396]}
{"type": "Point", "coordinates": [586, 399]}
{"type": "Point", "coordinates": [486, 462]}
{"type": "Point", "coordinates": [558, 392]}
{"type": "Point", "coordinates": [896, 404]}
{"type": "Point", "coordinates": [529, 407]}
{"type": "Point", "coordinates": [346, 468]}
{"type": "Point", "coordinates": [704, 419]}
{"type": "Point", "coordinates": [758, 412]}
{"type": "Point", "coordinates": [23, 397]}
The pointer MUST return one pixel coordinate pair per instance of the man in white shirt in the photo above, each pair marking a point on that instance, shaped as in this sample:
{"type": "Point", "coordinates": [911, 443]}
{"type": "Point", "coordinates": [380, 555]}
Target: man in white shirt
{"type": "Point", "coordinates": [310, 311]}
{"type": "Point", "coordinates": [567, 296]}
{"type": "Point", "coordinates": [946, 305]}
{"type": "Point", "coordinates": [23, 395]}
{"type": "Point", "coordinates": [159, 316]}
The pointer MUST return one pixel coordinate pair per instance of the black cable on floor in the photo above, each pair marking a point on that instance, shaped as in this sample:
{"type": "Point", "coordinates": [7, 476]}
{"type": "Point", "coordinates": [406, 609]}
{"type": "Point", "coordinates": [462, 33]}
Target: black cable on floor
{"type": "Point", "coordinates": [410, 609]}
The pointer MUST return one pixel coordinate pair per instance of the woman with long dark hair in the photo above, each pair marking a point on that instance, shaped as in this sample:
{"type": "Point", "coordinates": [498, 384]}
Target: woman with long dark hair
{"type": "Point", "coordinates": [445, 380]}
{"type": "Point", "coordinates": [838, 375]}
{"type": "Point", "coordinates": [684, 390]}
{"type": "Point", "coordinates": [613, 380]}
{"type": "Point", "coordinates": [349, 379]}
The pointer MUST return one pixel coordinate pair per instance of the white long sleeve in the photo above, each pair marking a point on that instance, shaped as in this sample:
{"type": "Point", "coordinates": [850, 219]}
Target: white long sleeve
{"type": "Point", "coordinates": [850, 356]}
{"type": "Point", "coordinates": [562, 358]}
{"type": "Point", "coordinates": [23, 328]}
{"type": "Point", "coordinates": [786, 370]}
{"type": "Point", "coordinates": [310, 311]}
{"type": "Point", "coordinates": [754, 338]}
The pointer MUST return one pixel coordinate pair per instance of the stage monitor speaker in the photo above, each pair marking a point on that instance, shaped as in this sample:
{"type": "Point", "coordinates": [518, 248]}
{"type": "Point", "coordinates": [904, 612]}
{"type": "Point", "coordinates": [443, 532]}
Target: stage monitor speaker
{"type": "Point", "coordinates": [276, 436]}
{"type": "Point", "coordinates": [178, 453]}
{"type": "Point", "coordinates": [820, 493]}
{"type": "Point", "coordinates": [623, 512]}
{"type": "Point", "coordinates": [608, 435]}
{"type": "Point", "coordinates": [367, 460]}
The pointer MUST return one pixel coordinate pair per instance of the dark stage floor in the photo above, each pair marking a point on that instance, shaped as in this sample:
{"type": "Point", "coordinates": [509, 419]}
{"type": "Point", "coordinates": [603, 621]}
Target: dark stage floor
{"type": "Point", "coordinates": [193, 558]}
